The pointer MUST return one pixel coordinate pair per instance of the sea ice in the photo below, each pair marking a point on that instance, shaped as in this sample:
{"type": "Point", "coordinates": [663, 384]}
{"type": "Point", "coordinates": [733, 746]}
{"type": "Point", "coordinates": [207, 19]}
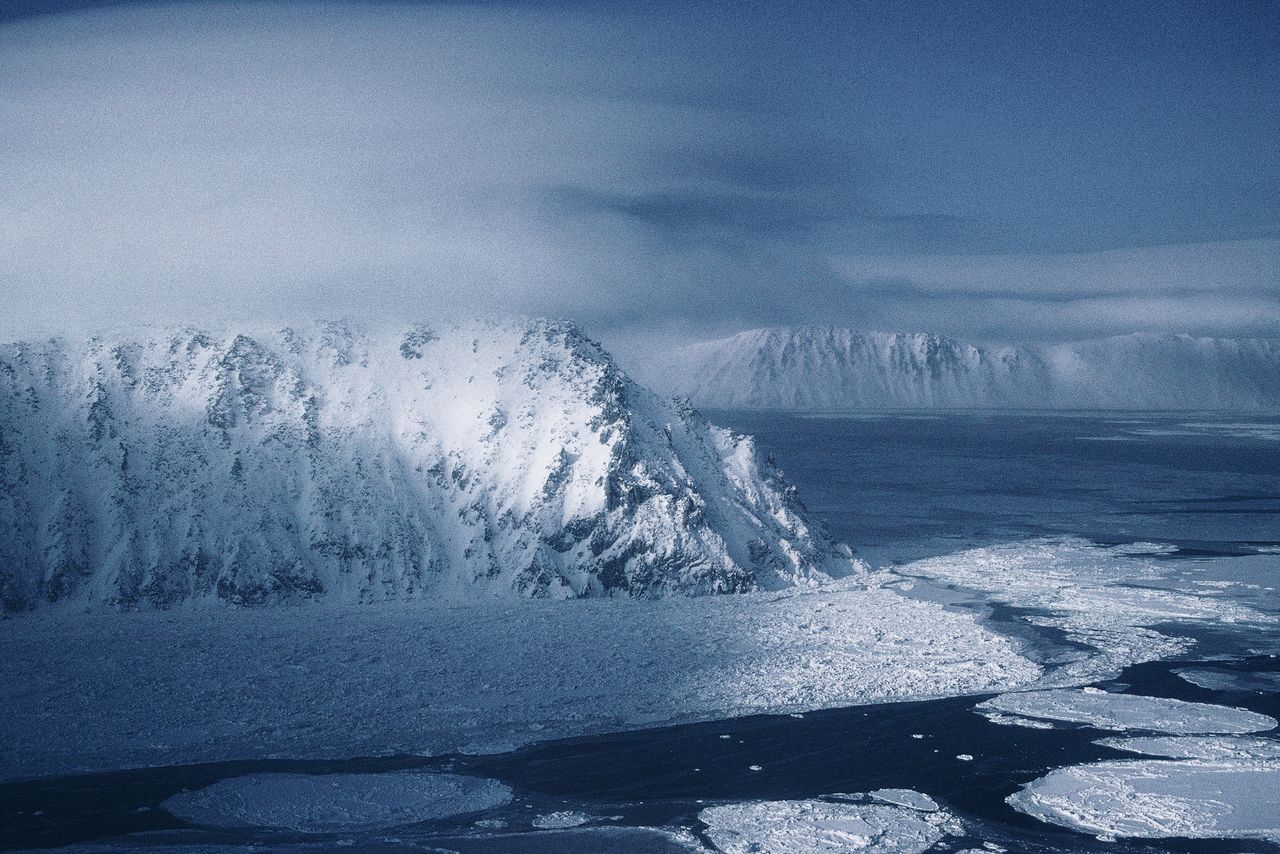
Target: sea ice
{"type": "Point", "coordinates": [813, 826]}
{"type": "Point", "coordinates": [1107, 598]}
{"type": "Point", "coordinates": [1157, 798]}
{"type": "Point", "coordinates": [908, 798]}
{"type": "Point", "coordinates": [1128, 711]}
{"type": "Point", "coordinates": [96, 691]}
{"type": "Point", "coordinates": [562, 819]}
{"type": "Point", "coordinates": [335, 803]}
{"type": "Point", "coordinates": [1209, 747]}
{"type": "Point", "coordinates": [1230, 680]}
{"type": "Point", "coordinates": [1015, 720]}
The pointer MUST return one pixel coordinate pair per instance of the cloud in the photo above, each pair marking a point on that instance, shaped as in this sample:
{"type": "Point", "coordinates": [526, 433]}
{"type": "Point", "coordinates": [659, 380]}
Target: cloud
{"type": "Point", "coordinates": [1225, 287]}
{"type": "Point", "coordinates": [688, 170]}
{"type": "Point", "coordinates": [1246, 265]}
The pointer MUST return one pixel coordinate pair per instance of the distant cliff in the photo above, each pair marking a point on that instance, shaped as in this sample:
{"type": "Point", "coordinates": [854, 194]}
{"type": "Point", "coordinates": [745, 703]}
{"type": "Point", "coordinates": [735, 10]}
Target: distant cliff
{"type": "Point", "coordinates": [837, 368]}
{"type": "Point", "coordinates": [329, 462]}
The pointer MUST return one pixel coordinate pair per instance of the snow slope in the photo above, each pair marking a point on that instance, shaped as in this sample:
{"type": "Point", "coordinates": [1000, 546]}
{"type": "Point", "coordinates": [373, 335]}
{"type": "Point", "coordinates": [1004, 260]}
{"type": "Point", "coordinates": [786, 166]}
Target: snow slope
{"type": "Point", "coordinates": [333, 462]}
{"type": "Point", "coordinates": [837, 368]}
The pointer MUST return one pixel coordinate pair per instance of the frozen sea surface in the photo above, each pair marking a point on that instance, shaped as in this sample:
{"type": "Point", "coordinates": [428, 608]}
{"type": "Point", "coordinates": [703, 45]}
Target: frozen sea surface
{"type": "Point", "coordinates": [91, 692]}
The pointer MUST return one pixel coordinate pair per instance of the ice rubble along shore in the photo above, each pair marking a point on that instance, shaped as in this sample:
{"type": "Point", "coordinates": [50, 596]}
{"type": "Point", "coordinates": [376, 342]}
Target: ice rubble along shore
{"type": "Point", "coordinates": [460, 461]}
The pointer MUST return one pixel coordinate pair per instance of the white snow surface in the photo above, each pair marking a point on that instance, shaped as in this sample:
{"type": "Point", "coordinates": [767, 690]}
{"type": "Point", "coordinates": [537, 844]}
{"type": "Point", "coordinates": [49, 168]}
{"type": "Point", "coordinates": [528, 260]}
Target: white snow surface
{"type": "Point", "coordinates": [334, 462]}
{"type": "Point", "coordinates": [1128, 712]}
{"type": "Point", "coordinates": [333, 803]}
{"type": "Point", "coordinates": [1156, 798]}
{"type": "Point", "coordinates": [103, 690]}
{"type": "Point", "coordinates": [828, 367]}
{"type": "Point", "coordinates": [812, 826]}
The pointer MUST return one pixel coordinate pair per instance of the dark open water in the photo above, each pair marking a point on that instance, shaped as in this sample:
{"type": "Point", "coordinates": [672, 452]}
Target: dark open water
{"type": "Point", "coordinates": [899, 487]}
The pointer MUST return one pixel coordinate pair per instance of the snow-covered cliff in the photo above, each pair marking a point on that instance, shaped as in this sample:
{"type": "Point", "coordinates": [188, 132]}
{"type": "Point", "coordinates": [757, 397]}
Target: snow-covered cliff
{"type": "Point", "coordinates": [328, 461]}
{"type": "Point", "coordinates": [836, 368]}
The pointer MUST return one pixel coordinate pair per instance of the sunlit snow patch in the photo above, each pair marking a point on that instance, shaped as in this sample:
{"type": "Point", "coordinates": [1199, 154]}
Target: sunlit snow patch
{"type": "Point", "coordinates": [802, 827]}
{"type": "Point", "coordinates": [334, 803]}
{"type": "Point", "coordinates": [1127, 711]}
{"type": "Point", "coordinates": [1154, 799]}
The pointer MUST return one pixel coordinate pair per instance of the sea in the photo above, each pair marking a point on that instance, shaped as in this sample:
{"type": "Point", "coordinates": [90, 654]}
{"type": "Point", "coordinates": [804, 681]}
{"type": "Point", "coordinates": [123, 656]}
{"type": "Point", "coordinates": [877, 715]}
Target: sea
{"type": "Point", "coordinates": [1200, 490]}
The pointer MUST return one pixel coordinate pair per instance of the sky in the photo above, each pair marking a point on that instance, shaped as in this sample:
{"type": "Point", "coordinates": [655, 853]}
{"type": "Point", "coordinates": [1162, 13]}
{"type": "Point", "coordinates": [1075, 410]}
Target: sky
{"type": "Point", "coordinates": [1017, 171]}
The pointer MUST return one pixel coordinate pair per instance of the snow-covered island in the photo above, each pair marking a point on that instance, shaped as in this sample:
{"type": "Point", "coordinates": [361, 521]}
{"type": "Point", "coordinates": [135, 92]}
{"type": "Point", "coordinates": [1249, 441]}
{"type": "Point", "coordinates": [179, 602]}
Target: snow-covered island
{"type": "Point", "coordinates": [329, 462]}
{"type": "Point", "coordinates": [420, 497]}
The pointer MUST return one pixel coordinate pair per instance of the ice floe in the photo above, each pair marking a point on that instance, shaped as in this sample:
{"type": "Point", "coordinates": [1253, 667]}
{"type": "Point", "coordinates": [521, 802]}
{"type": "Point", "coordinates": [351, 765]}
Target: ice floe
{"type": "Point", "coordinates": [802, 827]}
{"type": "Point", "coordinates": [1213, 748]}
{"type": "Point", "coordinates": [335, 803]}
{"type": "Point", "coordinates": [562, 819]}
{"type": "Point", "coordinates": [1159, 798]}
{"type": "Point", "coordinates": [1015, 720]}
{"type": "Point", "coordinates": [909, 798]}
{"type": "Point", "coordinates": [1127, 711]}
{"type": "Point", "coordinates": [1107, 598]}
{"type": "Point", "coordinates": [1231, 680]}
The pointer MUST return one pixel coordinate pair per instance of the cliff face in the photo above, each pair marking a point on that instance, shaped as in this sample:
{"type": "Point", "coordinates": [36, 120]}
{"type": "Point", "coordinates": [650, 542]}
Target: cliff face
{"type": "Point", "coordinates": [835, 368]}
{"type": "Point", "coordinates": [455, 462]}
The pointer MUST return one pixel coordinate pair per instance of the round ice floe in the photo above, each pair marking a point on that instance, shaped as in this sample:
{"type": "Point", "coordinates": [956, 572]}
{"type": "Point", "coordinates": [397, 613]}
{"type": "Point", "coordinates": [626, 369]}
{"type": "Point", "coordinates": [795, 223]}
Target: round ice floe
{"type": "Point", "coordinates": [331, 803]}
{"type": "Point", "coordinates": [1156, 799]}
{"type": "Point", "coordinates": [801, 827]}
{"type": "Point", "coordinates": [1213, 748]}
{"type": "Point", "coordinates": [1128, 711]}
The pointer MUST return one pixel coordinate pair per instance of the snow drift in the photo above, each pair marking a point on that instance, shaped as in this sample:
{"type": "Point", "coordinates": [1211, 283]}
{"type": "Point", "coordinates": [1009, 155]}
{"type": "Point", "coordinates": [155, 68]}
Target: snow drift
{"type": "Point", "coordinates": [330, 461]}
{"type": "Point", "coordinates": [837, 368]}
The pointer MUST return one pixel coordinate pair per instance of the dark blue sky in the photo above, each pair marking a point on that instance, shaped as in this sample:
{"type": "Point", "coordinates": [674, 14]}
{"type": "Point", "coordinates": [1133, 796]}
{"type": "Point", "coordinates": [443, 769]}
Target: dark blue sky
{"type": "Point", "coordinates": [1001, 170]}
